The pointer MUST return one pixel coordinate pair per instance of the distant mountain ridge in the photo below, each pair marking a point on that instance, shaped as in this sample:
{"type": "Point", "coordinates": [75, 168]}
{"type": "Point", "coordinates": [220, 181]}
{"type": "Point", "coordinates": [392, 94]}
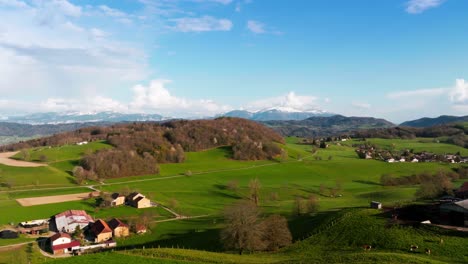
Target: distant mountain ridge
{"type": "Point", "coordinates": [326, 125]}
{"type": "Point", "coordinates": [76, 117]}
{"type": "Point", "coordinates": [278, 113]}
{"type": "Point", "coordinates": [429, 122]}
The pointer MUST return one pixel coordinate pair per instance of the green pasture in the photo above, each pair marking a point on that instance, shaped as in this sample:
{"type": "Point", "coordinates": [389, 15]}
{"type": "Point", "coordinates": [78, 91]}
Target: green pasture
{"type": "Point", "coordinates": [63, 153]}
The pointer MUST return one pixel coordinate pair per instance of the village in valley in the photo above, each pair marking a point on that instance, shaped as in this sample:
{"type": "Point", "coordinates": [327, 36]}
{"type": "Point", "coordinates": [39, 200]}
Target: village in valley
{"type": "Point", "coordinates": [74, 232]}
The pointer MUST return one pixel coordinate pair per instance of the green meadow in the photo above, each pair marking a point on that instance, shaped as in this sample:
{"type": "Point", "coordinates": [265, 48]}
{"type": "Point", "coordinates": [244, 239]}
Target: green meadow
{"type": "Point", "coordinates": [203, 194]}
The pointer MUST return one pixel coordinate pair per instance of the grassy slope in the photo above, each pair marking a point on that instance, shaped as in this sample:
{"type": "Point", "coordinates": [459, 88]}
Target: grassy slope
{"type": "Point", "coordinates": [336, 238]}
{"type": "Point", "coordinates": [62, 153]}
{"type": "Point", "coordinates": [205, 193]}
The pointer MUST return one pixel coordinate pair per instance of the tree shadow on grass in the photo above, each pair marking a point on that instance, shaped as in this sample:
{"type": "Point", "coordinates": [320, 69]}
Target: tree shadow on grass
{"type": "Point", "coordinates": [367, 182]}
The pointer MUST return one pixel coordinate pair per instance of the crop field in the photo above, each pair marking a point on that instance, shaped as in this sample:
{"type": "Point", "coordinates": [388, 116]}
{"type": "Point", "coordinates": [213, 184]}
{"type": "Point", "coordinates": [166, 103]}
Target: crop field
{"type": "Point", "coordinates": [204, 193]}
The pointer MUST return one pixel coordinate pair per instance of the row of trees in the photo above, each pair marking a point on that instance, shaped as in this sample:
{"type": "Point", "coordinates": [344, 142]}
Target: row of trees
{"type": "Point", "coordinates": [431, 185]}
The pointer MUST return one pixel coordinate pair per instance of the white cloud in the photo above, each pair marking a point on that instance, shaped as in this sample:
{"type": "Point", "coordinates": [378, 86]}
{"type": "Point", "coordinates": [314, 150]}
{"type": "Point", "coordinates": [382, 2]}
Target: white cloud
{"type": "Point", "coordinates": [288, 101]}
{"type": "Point", "coordinates": [201, 24]}
{"type": "Point", "coordinates": [256, 27]}
{"type": "Point", "coordinates": [63, 57]}
{"type": "Point", "coordinates": [13, 3]}
{"type": "Point", "coordinates": [156, 98]}
{"type": "Point", "coordinates": [111, 11]}
{"type": "Point", "coordinates": [224, 2]}
{"type": "Point", "coordinates": [459, 94]}
{"type": "Point", "coordinates": [87, 105]}
{"type": "Point", "coordinates": [419, 6]}
{"type": "Point", "coordinates": [362, 106]}
{"type": "Point", "coordinates": [418, 93]}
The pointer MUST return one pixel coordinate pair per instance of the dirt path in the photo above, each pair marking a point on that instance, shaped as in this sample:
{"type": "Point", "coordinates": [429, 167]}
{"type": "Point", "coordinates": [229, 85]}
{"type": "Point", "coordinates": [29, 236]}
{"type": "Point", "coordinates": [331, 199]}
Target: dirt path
{"type": "Point", "coordinates": [54, 199]}
{"type": "Point", "coordinates": [8, 247]}
{"type": "Point", "coordinates": [5, 160]}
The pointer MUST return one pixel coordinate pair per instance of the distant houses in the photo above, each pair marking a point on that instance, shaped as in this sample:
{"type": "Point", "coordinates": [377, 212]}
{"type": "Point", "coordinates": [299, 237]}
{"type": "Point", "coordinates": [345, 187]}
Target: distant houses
{"type": "Point", "coordinates": [371, 152]}
{"type": "Point", "coordinates": [134, 199]}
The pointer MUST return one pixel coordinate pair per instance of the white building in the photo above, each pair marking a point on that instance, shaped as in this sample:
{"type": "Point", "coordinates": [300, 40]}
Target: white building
{"type": "Point", "coordinates": [69, 220]}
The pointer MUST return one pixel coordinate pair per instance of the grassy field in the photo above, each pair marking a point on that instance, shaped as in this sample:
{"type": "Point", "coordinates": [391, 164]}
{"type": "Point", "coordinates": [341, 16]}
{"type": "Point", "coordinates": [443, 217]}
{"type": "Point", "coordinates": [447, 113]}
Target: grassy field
{"type": "Point", "coordinates": [63, 153]}
{"type": "Point", "coordinates": [334, 238]}
{"type": "Point", "coordinates": [204, 193]}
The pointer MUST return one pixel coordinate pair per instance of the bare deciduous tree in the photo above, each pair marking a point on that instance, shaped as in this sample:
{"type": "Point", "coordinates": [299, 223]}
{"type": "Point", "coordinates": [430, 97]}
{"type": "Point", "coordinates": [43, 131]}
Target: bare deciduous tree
{"type": "Point", "coordinates": [232, 185]}
{"type": "Point", "coordinates": [254, 186]}
{"type": "Point", "coordinates": [242, 231]}
{"type": "Point", "coordinates": [276, 233]}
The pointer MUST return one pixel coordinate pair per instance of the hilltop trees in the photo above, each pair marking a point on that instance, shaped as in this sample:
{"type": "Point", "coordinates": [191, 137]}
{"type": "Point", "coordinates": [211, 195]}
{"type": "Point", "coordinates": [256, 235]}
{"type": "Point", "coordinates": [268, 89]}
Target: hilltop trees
{"type": "Point", "coordinates": [138, 147]}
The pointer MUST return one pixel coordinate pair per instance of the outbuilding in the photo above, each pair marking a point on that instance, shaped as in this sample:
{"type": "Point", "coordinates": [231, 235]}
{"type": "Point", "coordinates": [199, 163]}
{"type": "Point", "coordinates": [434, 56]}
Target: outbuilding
{"type": "Point", "coordinates": [376, 205]}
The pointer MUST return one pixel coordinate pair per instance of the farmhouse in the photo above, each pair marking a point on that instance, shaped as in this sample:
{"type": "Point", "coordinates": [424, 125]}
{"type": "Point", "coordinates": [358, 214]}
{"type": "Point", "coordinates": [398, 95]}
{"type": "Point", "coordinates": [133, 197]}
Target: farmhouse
{"type": "Point", "coordinates": [138, 200]}
{"type": "Point", "coordinates": [456, 213]}
{"type": "Point", "coordinates": [101, 231]}
{"type": "Point", "coordinates": [34, 227]}
{"type": "Point", "coordinates": [69, 220]}
{"type": "Point", "coordinates": [8, 234]}
{"type": "Point", "coordinates": [117, 199]}
{"type": "Point", "coordinates": [119, 229]}
{"type": "Point", "coordinates": [62, 243]}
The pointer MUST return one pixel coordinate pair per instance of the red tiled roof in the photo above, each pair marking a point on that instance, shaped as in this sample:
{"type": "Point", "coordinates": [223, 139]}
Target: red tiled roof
{"type": "Point", "coordinates": [114, 223]}
{"type": "Point", "coordinates": [100, 227]}
{"type": "Point", "coordinates": [59, 235]}
{"type": "Point", "coordinates": [74, 243]}
{"type": "Point", "coordinates": [140, 227]}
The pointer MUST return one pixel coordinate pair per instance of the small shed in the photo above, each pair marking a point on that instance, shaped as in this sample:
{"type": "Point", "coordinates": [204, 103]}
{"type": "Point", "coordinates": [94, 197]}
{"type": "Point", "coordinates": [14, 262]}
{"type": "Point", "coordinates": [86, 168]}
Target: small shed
{"type": "Point", "coordinates": [8, 234]}
{"type": "Point", "coordinates": [376, 205]}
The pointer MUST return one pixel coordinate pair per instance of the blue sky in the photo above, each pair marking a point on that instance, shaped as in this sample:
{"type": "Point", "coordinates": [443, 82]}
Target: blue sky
{"type": "Point", "coordinates": [396, 59]}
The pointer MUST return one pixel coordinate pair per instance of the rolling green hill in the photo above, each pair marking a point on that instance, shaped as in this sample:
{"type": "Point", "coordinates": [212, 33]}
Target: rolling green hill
{"type": "Point", "coordinates": [334, 235]}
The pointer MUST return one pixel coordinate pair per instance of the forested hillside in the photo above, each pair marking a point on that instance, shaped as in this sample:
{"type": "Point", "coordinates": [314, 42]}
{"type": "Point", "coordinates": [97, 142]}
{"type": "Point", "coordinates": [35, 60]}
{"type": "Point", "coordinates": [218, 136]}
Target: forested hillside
{"type": "Point", "coordinates": [321, 126]}
{"type": "Point", "coordinates": [139, 147]}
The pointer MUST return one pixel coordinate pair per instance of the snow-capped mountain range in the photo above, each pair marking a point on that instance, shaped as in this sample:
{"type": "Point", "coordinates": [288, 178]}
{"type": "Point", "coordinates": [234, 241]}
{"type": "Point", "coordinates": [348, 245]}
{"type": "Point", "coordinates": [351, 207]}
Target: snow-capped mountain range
{"type": "Point", "coordinates": [274, 113]}
{"type": "Point", "coordinates": [277, 113]}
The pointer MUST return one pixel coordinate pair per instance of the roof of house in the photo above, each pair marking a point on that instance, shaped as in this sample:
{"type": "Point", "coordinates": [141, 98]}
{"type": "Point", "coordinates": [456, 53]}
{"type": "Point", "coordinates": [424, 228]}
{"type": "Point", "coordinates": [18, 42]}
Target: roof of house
{"type": "Point", "coordinates": [114, 223]}
{"type": "Point", "coordinates": [74, 243]}
{"type": "Point", "coordinates": [137, 200]}
{"type": "Point", "coordinates": [100, 227]}
{"type": "Point", "coordinates": [74, 216]}
{"type": "Point", "coordinates": [463, 204]}
{"type": "Point", "coordinates": [59, 235]}
{"type": "Point", "coordinates": [463, 188]}
{"type": "Point", "coordinates": [140, 227]}
{"type": "Point", "coordinates": [133, 195]}
{"type": "Point", "coordinates": [116, 195]}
